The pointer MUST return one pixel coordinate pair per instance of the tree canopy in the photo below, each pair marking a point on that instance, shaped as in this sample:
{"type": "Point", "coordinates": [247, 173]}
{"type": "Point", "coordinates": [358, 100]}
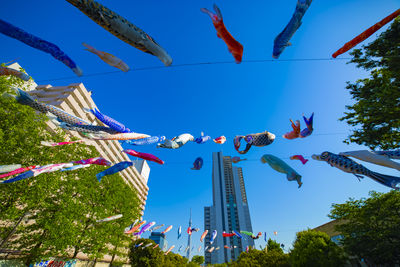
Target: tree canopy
{"type": "Point", "coordinates": [377, 98]}
{"type": "Point", "coordinates": [63, 206]}
{"type": "Point", "coordinates": [370, 227]}
{"type": "Point", "coordinates": [314, 248]}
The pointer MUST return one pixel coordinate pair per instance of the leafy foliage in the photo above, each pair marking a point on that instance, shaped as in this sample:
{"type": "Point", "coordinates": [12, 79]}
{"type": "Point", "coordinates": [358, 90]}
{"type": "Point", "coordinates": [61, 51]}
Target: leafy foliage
{"type": "Point", "coordinates": [274, 257]}
{"type": "Point", "coordinates": [314, 248]}
{"type": "Point", "coordinates": [378, 97]}
{"type": "Point", "coordinates": [149, 257]}
{"type": "Point", "coordinates": [198, 259]}
{"type": "Point", "coordinates": [370, 227]}
{"type": "Point", "coordinates": [63, 206]}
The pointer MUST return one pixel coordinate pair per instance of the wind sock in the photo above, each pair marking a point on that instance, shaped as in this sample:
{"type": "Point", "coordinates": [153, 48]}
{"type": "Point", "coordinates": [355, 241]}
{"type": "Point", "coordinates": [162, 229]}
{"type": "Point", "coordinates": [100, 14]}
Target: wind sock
{"type": "Point", "coordinates": [309, 126]}
{"type": "Point", "coordinates": [265, 237]}
{"type": "Point", "coordinates": [139, 245]}
{"type": "Point", "coordinates": [299, 157]}
{"type": "Point", "coordinates": [211, 249]}
{"type": "Point", "coordinates": [24, 98]}
{"type": "Point", "coordinates": [38, 43]}
{"type": "Point", "coordinates": [177, 141]}
{"type": "Point", "coordinates": [282, 40]}
{"type": "Point", "coordinates": [258, 139]}
{"type": "Point", "coordinates": [202, 139]}
{"type": "Point", "coordinates": [280, 166]}
{"type": "Point", "coordinates": [257, 236]}
{"type": "Point", "coordinates": [169, 250]}
{"type": "Point", "coordinates": [179, 232]}
{"type": "Point", "coordinates": [114, 169]}
{"type": "Point", "coordinates": [135, 228]}
{"type": "Point", "coordinates": [145, 228]}
{"type": "Point", "coordinates": [216, 248]}
{"type": "Point", "coordinates": [17, 171]}
{"type": "Point", "coordinates": [347, 165]}
{"type": "Point", "coordinates": [156, 246]}
{"type": "Point", "coordinates": [110, 122]}
{"type": "Point", "coordinates": [295, 133]}
{"type": "Point", "coordinates": [146, 141]}
{"type": "Point", "coordinates": [127, 229]}
{"type": "Point", "coordinates": [167, 229]}
{"type": "Point", "coordinates": [246, 233]}
{"type": "Point", "coordinates": [237, 159]}
{"type": "Point", "coordinates": [147, 245]}
{"type": "Point", "coordinates": [275, 232]}
{"type": "Point", "coordinates": [237, 234]}
{"type": "Point", "coordinates": [179, 250]}
{"type": "Point", "coordinates": [189, 230]}
{"type": "Point", "coordinates": [37, 171]}
{"type": "Point", "coordinates": [203, 235]}
{"type": "Point", "coordinates": [197, 164]}
{"type": "Point", "coordinates": [97, 161]}
{"type": "Point", "coordinates": [45, 143]}
{"type": "Point", "coordinates": [8, 71]}
{"type": "Point", "coordinates": [9, 168]}
{"type": "Point", "coordinates": [199, 249]}
{"type": "Point", "coordinates": [220, 140]}
{"type": "Point", "coordinates": [372, 157]}
{"type": "Point", "coordinates": [118, 136]}
{"type": "Point", "coordinates": [121, 28]}
{"type": "Point", "coordinates": [111, 218]}
{"type": "Point", "coordinates": [227, 234]}
{"type": "Point", "coordinates": [75, 167]}
{"type": "Point", "coordinates": [233, 46]}
{"type": "Point", "coordinates": [142, 155]}
{"type": "Point", "coordinates": [108, 58]}
{"type": "Point", "coordinates": [365, 34]}
{"type": "Point", "coordinates": [213, 236]}
{"type": "Point", "coordinates": [156, 227]}
{"type": "Point", "coordinates": [84, 129]}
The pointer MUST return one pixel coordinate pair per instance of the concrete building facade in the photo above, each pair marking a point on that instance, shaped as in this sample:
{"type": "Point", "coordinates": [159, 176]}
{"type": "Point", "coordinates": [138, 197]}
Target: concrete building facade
{"type": "Point", "coordinates": [229, 212]}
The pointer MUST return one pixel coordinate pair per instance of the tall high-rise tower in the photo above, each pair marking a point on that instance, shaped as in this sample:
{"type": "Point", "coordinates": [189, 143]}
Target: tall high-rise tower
{"type": "Point", "coordinates": [229, 211]}
{"type": "Point", "coordinates": [189, 238]}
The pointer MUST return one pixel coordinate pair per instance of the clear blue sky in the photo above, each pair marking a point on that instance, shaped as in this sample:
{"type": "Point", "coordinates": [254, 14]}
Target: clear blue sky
{"type": "Point", "coordinates": [227, 99]}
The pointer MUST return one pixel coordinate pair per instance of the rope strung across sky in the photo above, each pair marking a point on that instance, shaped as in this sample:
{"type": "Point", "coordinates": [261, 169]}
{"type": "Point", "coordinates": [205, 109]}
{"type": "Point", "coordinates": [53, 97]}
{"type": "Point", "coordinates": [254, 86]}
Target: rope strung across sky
{"type": "Point", "coordinates": [196, 64]}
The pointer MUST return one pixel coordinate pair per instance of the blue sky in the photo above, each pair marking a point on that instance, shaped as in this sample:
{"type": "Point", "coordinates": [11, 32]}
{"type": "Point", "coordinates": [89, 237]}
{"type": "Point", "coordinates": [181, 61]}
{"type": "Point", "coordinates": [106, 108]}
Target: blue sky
{"type": "Point", "coordinates": [225, 99]}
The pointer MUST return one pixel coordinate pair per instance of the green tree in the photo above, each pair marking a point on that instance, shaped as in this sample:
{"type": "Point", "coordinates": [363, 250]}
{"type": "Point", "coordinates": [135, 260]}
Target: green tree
{"type": "Point", "coordinates": [64, 206]}
{"type": "Point", "coordinates": [273, 245]}
{"type": "Point", "coordinates": [377, 107]}
{"type": "Point", "coordinates": [198, 259]}
{"type": "Point", "coordinates": [314, 248]}
{"type": "Point", "coordinates": [271, 258]}
{"type": "Point", "coordinates": [370, 227]}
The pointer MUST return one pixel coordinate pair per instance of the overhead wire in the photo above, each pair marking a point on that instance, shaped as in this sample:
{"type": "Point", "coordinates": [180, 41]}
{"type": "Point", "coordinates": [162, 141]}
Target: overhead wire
{"type": "Point", "coordinates": [193, 64]}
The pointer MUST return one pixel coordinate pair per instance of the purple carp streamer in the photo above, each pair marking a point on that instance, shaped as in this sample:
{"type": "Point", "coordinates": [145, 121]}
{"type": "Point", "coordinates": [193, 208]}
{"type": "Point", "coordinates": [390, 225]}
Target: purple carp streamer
{"type": "Point", "coordinates": [146, 141]}
{"type": "Point", "coordinates": [121, 28]}
{"type": "Point", "coordinates": [114, 169]}
{"type": "Point", "coordinates": [110, 122]}
{"type": "Point", "coordinates": [347, 165]}
{"type": "Point", "coordinates": [38, 43]}
{"type": "Point", "coordinates": [24, 98]}
{"type": "Point", "coordinates": [111, 218]}
{"type": "Point", "coordinates": [8, 71]}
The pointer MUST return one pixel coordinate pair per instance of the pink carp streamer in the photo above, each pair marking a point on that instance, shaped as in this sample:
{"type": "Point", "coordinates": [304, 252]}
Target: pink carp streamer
{"type": "Point", "coordinates": [45, 143]}
{"type": "Point", "coordinates": [146, 156]}
{"type": "Point", "coordinates": [299, 157]}
{"type": "Point", "coordinates": [17, 171]}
